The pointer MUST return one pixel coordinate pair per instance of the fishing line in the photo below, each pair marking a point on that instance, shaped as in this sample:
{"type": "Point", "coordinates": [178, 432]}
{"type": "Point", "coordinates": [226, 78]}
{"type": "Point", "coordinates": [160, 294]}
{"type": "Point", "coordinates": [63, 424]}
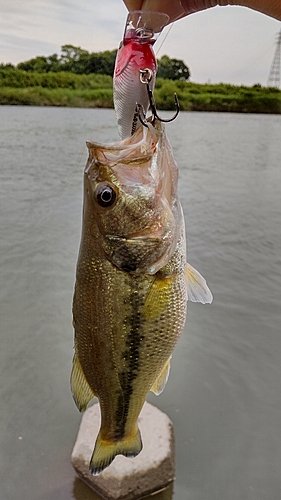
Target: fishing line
{"type": "Point", "coordinates": [167, 33]}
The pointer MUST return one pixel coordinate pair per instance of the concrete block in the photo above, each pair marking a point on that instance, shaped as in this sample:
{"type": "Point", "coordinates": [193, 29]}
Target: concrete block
{"type": "Point", "coordinates": [129, 478]}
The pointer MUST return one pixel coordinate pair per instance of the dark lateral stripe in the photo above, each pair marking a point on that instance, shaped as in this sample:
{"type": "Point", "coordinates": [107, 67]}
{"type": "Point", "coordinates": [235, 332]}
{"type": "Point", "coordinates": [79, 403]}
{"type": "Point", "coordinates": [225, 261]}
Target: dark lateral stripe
{"type": "Point", "coordinates": [134, 323]}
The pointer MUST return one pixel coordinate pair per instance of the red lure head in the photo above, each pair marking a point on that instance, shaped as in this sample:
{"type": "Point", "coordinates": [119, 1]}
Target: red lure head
{"type": "Point", "coordinates": [139, 37]}
{"type": "Point", "coordinates": [141, 54]}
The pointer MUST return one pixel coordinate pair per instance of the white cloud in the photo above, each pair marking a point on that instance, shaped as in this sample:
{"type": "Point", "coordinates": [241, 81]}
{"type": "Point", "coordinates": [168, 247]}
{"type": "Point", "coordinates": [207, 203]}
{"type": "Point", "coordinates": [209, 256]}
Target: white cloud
{"type": "Point", "coordinates": [52, 23]}
{"type": "Point", "coordinates": [231, 44]}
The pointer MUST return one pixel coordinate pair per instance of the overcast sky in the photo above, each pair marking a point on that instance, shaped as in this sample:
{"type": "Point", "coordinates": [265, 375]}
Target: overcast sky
{"type": "Point", "coordinates": [223, 44]}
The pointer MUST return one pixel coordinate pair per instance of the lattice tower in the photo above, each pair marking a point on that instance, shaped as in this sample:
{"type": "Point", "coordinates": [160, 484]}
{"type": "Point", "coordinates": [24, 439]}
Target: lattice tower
{"type": "Point", "coordinates": [274, 73]}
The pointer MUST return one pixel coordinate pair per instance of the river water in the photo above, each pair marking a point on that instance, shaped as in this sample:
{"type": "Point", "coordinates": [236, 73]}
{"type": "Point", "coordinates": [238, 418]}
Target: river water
{"type": "Point", "coordinates": [223, 394]}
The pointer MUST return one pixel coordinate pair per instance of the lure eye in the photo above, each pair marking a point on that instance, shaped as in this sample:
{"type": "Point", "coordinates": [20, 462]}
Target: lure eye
{"type": "Point", "coordinates": [105, 195]}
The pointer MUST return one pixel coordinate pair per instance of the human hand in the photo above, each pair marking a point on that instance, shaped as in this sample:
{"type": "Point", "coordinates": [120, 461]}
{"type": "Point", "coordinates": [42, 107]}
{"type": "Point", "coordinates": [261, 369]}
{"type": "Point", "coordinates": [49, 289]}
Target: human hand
{"type": "Point", "coordinates": [176, 9]}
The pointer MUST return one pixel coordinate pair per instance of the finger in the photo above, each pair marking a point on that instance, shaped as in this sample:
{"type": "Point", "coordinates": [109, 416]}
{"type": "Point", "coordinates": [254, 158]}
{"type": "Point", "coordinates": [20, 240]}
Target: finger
{"type": "Point", "coordinates": [174, 9]}
{"type": "Point", "coordinates": [270, 7]}
{"type": "Point", "coordinates": [133, 4]}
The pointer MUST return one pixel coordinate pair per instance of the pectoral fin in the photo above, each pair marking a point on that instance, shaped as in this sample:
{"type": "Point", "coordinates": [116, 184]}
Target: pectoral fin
{"type": "Point", "coordinates": [81, 391]}
{"type": "Point", "coordinates": [197, 288]}
{"type": "Point", "coordinates": [161, 380]}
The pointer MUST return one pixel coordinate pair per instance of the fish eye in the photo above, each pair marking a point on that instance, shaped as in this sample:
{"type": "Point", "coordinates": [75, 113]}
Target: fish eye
{"type": "Point", "coordinates": [105, 195]}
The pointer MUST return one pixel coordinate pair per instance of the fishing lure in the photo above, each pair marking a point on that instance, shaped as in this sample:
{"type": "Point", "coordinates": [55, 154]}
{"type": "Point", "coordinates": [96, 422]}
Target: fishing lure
{"type": "Point", "coordinates": [135, 69]}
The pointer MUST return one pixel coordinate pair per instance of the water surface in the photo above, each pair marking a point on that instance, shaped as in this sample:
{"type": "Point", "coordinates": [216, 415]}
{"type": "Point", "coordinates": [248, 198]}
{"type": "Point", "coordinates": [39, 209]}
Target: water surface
{"type": "Point", "coordinates": [223, 394]}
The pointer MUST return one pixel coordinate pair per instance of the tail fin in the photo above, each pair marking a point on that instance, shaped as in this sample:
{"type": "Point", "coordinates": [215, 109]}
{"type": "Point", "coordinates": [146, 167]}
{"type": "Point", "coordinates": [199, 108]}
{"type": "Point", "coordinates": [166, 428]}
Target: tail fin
{"type": "Point", "coordinates": [105, 451]}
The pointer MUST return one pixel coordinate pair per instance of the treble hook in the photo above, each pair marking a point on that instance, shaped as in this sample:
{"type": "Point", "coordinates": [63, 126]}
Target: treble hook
{"type": "Point", "coordinates": [142, 118]}
{"type": "Point", "coordinates": [154, 110]}
{"type": "Point", "coordinates": [145, 78]}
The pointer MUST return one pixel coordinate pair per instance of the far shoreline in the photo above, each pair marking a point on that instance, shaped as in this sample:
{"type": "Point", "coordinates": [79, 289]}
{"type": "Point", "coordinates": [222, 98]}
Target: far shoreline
{"type": "Point", "coordinates": [66, 89]}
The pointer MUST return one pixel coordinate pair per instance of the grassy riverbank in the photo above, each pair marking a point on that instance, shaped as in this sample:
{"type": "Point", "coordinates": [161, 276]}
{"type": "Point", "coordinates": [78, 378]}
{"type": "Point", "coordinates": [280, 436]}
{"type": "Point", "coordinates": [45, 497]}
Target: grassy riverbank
{"type": "Point", "coordinates": [18, 87]}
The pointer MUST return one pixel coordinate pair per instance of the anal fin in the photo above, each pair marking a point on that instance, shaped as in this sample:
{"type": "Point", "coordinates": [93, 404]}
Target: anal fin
{"type": "Point", "coordinates": [81, 391]}
{"type": "Point", "coordinates": [162, 378]}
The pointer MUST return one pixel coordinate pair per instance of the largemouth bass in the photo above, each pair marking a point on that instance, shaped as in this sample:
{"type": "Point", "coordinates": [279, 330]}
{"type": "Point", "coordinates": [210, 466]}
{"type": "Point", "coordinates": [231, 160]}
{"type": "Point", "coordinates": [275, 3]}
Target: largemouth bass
{"type": "Point", "coordinates": [134, 67]}
{"type": "Point", "coordinates": [132, 284]}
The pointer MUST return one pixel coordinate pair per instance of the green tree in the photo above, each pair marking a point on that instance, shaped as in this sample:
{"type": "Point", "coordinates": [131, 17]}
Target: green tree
{"type": "Point", "coordinates": [73, 58]}
{"type": "Point", "coordinates": [54, 63]}
{"type": "Point", "coordinates": [172, 69]}
{"type": "Point", "coordinates": [101, 62]}
{"type": "Point", "coordinates": [80, 61]}
{"type": "Point", "coordinates": [38, 64]}
{"type": "Point", "coordinates": [7, 66]}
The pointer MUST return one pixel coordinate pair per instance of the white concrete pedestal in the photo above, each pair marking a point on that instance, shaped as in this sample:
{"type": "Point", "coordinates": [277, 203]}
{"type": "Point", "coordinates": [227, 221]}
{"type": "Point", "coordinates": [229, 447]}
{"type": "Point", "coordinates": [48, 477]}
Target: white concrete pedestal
{"type": "Point", "coordinates": [129, 478]}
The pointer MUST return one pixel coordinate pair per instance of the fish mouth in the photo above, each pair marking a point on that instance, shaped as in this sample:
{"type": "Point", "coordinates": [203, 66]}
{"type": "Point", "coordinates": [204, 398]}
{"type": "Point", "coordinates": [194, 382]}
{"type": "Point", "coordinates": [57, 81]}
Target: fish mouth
{"type": "Point", "coordinates": [135, 254]}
